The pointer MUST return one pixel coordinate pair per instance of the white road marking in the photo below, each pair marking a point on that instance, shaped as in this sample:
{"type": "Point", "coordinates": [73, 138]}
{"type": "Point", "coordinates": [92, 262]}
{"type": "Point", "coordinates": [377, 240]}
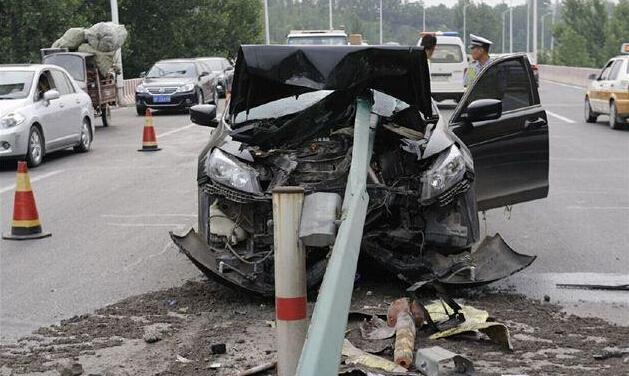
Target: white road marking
{"type": "Point", "coordinates": [165, 134]}
{"type": "Point", "coordinates": [562, 84]}
{"type": "Point", "coordinates": [145, 224]}
{"type": "Point", "coordinates": [146, 215]}
{"type": "Point", "coordinates": [142, 260]}
{"type": "Point", "coordinates": [33, 180]}
{"type": "Point", "coordinates": [575, 207]}
{"type": "Point", "coordinates": [562, 118]}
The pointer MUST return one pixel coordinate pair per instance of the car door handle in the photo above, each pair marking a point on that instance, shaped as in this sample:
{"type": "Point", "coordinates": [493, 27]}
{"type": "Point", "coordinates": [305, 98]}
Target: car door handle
{"type": "Point", "coordinates": [534, 124]}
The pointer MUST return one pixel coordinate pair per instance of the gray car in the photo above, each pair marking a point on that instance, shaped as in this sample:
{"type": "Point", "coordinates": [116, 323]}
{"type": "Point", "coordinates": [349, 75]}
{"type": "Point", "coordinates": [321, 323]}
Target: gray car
{"type": "Point", "coordinates": [42, 109]}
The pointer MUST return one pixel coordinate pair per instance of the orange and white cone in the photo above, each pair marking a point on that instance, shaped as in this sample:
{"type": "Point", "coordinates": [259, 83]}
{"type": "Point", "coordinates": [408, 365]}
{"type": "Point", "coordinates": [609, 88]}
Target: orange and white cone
{"type": "Point", "coordinates": [26, 224]}
{"type": "Point", "coordinates": [149, 141]}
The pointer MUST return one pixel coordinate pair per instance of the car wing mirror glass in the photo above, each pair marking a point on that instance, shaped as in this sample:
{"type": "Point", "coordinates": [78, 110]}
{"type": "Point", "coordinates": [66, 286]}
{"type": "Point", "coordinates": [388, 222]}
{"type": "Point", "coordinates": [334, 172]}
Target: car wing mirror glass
{"type": "Point", "coordinates": [204, 114]}
{"type": "Point", "coordinates": [51, 95]}
{"type": "Point", "coordinates": [484, 109]}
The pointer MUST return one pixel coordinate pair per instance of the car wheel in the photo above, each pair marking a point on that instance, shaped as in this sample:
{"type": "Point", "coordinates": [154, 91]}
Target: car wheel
{"type": "Point", "coordinates": [86, 138]}
{"type": "Point", "coordinates": [35, 151]}
{"type": "Point", "coordinates": [590, 116]}
{"type": "Point", "coordinates": [140, 110]}
{"type": "Point", "coordinates": [614, 121]}
{"type": "Point", "coordinates": [199, 97]}
{"type": "Point", "coordinates": [105, 114]}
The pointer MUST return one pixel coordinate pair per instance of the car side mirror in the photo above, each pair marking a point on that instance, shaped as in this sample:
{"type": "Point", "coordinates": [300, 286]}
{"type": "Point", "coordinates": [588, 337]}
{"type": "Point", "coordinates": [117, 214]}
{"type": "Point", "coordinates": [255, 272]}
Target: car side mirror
{"type": "Point", "coordinates": [142, 74]}
{"type": "Point", "coordinates": [204, 114]}
{"type": "Point", "coordinates": [484, 109]}
{"type": "Point", "coordinates": [229, 68]}
{"type": "Point", "coordinates": [203, 74]}
{"type": "Point", "coordinates": [592, 76]}
{"type": "Point", "coordinates": [51, 95]}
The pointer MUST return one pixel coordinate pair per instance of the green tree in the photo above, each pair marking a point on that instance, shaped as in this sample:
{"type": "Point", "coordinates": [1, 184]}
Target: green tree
{"type": "Point", "coordinates": [617, 29]}
{"type": "Point", "coordinates": [571, 48]}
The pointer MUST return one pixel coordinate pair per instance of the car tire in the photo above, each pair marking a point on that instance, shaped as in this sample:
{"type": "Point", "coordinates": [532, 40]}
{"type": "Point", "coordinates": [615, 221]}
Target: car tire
{"type": "Point", "coordinates": [614, 121]}
{"type": "Point", "coordinates": [36, 147]}
{"type": "Point", "coordinates": [140, 110]}
{"type": "Point", "coordinates": [105, 114]}
{"type": "Point", "coordinates": [590, 116]}
{"type": "Point", "coordinates": [86, 137]}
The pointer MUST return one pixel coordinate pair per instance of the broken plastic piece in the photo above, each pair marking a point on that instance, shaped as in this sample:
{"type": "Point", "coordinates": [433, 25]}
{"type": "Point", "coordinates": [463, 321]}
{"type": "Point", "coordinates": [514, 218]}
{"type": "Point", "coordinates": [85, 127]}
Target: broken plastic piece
{"type": "Point", "coordinates": [359, 357]}
{"type": "Point", "coordinates": [432, 361]}
{"type": "Point", "coordinates": [376, 329]}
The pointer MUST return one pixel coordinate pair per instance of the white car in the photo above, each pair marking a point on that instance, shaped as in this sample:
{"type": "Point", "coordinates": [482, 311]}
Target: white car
{"type": "Point", "coordinates": [42, 109]}
{"type": "Point", "coordinates": [317, 37]}
{"type": "Point", "coordinates": [447, 66]}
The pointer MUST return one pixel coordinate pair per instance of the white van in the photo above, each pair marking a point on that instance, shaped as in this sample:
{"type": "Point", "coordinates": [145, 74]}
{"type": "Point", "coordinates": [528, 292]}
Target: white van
{"type": "Point", "coordinates": [317, 37]}
{"type": "Point", "coordinates": [447, 66]}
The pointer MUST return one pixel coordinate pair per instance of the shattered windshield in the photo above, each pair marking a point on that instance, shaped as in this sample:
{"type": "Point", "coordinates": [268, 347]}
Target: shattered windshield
{"type": "Point", "coordinates": [15, 84]}
{"type": "Point", "coordinates": [161, 70]}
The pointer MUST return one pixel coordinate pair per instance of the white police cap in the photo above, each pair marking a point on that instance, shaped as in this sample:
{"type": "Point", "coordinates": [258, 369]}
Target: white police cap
{"type": "Point", "coordinates": [475, 41]}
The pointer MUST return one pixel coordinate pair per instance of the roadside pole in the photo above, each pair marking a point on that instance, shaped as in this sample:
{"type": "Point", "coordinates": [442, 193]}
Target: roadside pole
{"type": "Point", "coordinates": [267, 35]}
{"type": "Point", "coordinates": [290, 278]}
{"type": "Point", "coordinates": [119, 77]}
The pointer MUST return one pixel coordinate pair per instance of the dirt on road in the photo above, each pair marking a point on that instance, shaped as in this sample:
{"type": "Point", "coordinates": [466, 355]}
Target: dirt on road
{"type": "Point", "coordinates": [184, 325]}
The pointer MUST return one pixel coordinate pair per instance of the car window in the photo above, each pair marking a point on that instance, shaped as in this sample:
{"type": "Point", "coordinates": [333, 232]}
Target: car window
{"type": "Point", "coordinates": [72, 63]}
{"type": "Point", "coordinates": [447, 53]}
{"type": "Point", "coordinates": [15, 84]}
{"type": "Point", "coordinates": [605, 72]}
{"type": "Point", "coordinates": [44, 83]}
{"type": "Point", "coordinates": [508, 81]}
{"type": "Point", "coordinates": [613, 75]}
{"type": "Point", "coordinates": [172, 69]}
{"type": "Point", "coordinates": [62, 84]}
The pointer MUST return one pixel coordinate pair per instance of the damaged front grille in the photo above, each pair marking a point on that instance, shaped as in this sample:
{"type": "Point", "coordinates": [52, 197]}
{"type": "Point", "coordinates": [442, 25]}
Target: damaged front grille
{"type": "Point", "coordinates": [450, 195]}
{"type": "Point", "coordinates": [234, 195]}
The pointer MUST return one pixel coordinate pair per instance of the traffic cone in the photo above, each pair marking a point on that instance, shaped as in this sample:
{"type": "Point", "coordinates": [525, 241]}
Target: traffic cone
{"type": "Point", "coordinates": [149, 141]}
{"type": "Point", "coordinates": [25, 223]}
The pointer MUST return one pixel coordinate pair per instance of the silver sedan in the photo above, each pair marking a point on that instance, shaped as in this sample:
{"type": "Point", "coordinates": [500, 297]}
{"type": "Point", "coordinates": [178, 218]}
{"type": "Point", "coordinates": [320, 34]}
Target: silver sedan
{"type": "Point", "coordinates": [42, 109]}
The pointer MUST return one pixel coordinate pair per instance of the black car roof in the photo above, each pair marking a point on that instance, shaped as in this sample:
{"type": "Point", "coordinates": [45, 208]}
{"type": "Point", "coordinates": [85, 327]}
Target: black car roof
{"type": "Point", "coordinates": [265, 73]}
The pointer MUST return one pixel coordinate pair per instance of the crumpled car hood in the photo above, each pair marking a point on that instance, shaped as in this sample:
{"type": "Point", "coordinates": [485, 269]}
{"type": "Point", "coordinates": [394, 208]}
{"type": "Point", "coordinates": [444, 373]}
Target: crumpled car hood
{"type": "Point", "coordinates": [267, 73]}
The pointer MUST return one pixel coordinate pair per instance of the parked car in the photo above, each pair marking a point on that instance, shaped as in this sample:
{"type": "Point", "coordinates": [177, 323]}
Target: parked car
{"type": "Point", "coordinates": [608, 94]}
{"type": "Point", "coordinates": [176, 84]}
{"type": "Point", "coordinates": [42, 109]}
{"type": "Point", "coordinates": [447, 66]}
{"type": "Point", "coordinates": [317, 37]}
{"type": "Point", "coordinates": [427, 179]}
{"type": "Point", "coordinates": [221, 67]}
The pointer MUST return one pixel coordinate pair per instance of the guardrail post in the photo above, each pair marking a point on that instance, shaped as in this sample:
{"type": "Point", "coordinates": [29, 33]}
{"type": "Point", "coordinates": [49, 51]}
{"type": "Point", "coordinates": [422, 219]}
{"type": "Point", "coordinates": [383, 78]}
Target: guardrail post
{"type": "Point", "coordinates": [290, 278]}
{"type": "Point", "coordinates": [321, 354]}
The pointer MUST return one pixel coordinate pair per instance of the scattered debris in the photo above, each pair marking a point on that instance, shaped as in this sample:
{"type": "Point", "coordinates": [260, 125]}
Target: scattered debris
{"type": "Point", "coordinates": [358, 357]}
{"type": "Point", "coordinates": [183, 310]}
{"type": "Point", "coordinates": [612, 352]}
{"type": "Point", "coordinates": [182, 359]}
{"type": "Point", "coordinates": [270, 323]}
{"type": "Point", "coordinates": [154, 332]}
{"type": "Point", "coordinates": [68, 368]}
{"type": "Point", "coordinates": [376, 329]}
{"type": "Point", "coordinates": [219, 348]}
{"type": "Point", "coordinates": [432, 361]}
{"type": "Point", "coordinates": [404, 319]}
{"type": "Point", "coordinates": [258, 369]}
{"type": "Point", "coordinates": [215, 366]}
{"type": "Point", "coordinates": [546, 298]}
{"type": "Point", "coordinates": [623, 287]}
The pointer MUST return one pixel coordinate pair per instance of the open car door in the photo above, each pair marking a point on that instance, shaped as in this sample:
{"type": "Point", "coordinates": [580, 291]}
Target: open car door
{"type": "Point", "coordinates": [502, 122]}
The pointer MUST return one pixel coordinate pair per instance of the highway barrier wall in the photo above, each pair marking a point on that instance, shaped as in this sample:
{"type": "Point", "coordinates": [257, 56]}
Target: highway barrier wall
{"type": "Point", "coordinates": [129, 91]}
{"type": "Point", "coordinates": [567, 75]}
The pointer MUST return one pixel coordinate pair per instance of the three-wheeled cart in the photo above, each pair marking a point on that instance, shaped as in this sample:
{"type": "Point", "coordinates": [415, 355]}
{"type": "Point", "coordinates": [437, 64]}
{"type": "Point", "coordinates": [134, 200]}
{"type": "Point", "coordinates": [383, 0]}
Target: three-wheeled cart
{"type": "Point", "coordinates": [82, 67]}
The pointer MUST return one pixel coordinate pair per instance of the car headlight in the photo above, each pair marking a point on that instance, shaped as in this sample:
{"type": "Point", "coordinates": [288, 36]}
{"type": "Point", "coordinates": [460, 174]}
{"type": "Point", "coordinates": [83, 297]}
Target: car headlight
{"type": "Point", "coordinates": [185, 88]}
{"type": "Point", "coordinates": [11, 120]}
{"type": "Point", "coordinates": [229, 171]}
{"type": "Point", "coordinates": [141, 89]}
{"type": "Point", "coordinates": [447, 170]}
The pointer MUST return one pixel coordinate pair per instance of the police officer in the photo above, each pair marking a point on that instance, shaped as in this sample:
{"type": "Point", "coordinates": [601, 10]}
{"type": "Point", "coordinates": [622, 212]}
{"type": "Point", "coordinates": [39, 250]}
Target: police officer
{"type": "Point", "coordinates": [480, 54]}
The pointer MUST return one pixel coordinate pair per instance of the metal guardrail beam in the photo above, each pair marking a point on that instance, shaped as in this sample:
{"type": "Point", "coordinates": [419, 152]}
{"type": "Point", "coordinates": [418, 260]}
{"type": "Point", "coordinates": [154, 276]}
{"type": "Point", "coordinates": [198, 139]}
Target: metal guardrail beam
{"type": "Point", "coordinates": [321, 354]}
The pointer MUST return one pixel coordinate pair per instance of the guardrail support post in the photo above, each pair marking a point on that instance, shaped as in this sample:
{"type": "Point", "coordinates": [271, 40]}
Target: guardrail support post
{"type": "Point", "coordinates": [321, 354]}
{"type": "Point", "coordinates": [290, 278]}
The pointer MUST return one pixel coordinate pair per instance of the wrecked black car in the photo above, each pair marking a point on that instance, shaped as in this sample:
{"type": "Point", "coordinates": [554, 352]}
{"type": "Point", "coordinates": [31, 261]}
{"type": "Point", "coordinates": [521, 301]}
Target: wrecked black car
{"type": "Point", "coordinates": [289, 123]}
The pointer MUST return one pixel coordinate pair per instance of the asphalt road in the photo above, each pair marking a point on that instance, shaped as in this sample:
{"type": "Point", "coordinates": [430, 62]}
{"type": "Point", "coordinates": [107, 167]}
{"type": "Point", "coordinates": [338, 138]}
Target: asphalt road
{"type": "Point", "coordinates": [110, 212]}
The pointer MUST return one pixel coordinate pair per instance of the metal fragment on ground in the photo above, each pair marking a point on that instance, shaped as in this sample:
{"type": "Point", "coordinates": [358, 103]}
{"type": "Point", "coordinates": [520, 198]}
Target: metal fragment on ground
{"type": "Point", "coordinates": [432, 361]}
{"type": "Point", "coordinates": [376, 329]}
{"type": "Point", "coordinates": [258, 369]}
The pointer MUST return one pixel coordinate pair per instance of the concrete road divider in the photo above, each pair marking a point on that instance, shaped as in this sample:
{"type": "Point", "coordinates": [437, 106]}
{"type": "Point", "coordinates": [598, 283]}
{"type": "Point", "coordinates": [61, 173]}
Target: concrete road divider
{"type": "Point", "coordinates": [149, 140]}
{"type": "Point", "coordinates": [290, 278]}
{"type": "Point", "coordinates": [576, 76]}
{"type": "Point", "coordinates": [25, 224]}
{"type": "Point", "coordinates": [128, 94]}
